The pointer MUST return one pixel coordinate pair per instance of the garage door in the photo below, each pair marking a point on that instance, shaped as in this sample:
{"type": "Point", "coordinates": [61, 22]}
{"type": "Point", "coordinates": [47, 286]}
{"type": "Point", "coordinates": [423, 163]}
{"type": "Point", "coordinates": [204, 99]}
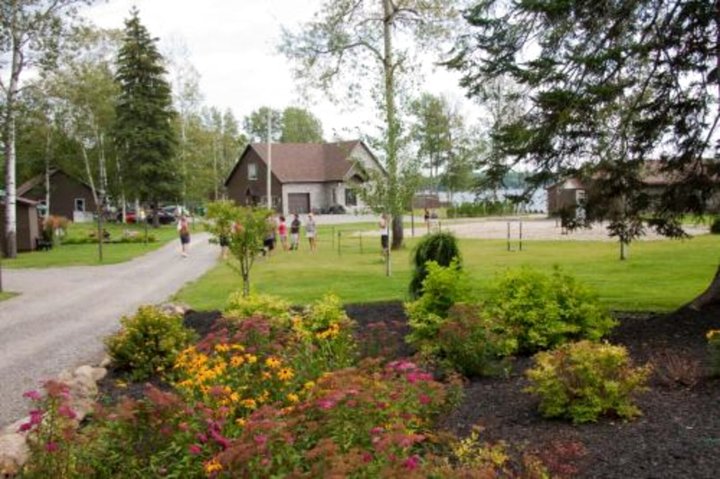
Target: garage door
{"type": "Point", "coordinates": [299, 203]}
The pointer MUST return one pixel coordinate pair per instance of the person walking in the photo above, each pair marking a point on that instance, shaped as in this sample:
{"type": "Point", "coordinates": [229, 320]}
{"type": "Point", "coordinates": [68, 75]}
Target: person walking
{"type": "Point", "coordinates": [282, 232]}
{"type": "Point", "coordinates": [311, 232]}
{"type": "Point", "coordinates": [269, 241]}
{"type": "Point", "coordinates": [183, 228]}
{"type": "Point", "coordinates": [294, 232]}
{"type": "Point", "coordinates": [383, 225]}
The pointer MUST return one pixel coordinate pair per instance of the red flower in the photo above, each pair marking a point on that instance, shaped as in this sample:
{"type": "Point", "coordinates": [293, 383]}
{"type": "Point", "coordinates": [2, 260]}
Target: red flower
{"type": "Point", "coordinates": [194, 449]}
{"type": "Point", "coordinates": [412, 462]}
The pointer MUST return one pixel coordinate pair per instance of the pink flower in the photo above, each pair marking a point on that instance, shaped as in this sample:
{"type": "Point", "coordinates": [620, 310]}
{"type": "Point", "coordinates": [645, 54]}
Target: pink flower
{"type": "Point", "coordinates": [325, 404]}
{"type": "Point", "coordinates": [412, 462]}
{"type": "Point", "coordinates": [414, 377]}
{"type": "Point", "coordinates": [222, 441]}
{"type": "Point", "coordinates": [376, 430]}
{"type": "Point", "coordinates": [366, 457]}
{"type": "Point", "coordinates": [183, 426]}
{"type": "Point", "coordinates": [36, 416]}
{"type": "Point", "coordinates": [65, 410]}
{"type": "Point", "coordinates": [424, 399]}
{"type": "Point", "coordinates": [24, 427]}
{"type": "Point", "coordinates": [201, 437]}
{"type": "Point", "coordinates": [33, 395]}
{"type": "Point", "coordinates": [260, 440]}
{"type": "Point", "coordinates": [51, 446]}
{"type": "Point", "coordinates": [194, 449]}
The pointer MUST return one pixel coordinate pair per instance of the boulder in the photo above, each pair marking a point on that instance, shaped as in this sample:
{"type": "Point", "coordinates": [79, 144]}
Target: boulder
{"type": "Point", "coordinates": [14, 453]}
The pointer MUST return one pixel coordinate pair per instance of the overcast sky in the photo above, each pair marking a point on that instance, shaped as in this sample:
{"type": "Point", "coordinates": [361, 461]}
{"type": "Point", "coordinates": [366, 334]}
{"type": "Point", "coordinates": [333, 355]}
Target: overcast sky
{"type": "Point", "coordinates": [232, 43]}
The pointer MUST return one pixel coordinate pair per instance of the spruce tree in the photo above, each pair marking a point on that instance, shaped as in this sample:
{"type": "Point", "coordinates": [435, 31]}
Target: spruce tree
{"type": "Point", "coordinates": [144, 130]}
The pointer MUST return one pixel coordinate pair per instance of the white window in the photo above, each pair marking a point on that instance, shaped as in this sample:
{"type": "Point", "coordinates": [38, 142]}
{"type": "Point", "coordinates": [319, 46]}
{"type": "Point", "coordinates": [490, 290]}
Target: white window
{"type": "Point", "coordinates": [79, 204]}
{"type": "Point", "coordinates": [252, 171]}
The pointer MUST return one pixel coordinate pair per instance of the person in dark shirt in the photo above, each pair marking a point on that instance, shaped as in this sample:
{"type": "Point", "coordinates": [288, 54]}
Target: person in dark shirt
{"type": "Point", "coordinates": [294, 232]}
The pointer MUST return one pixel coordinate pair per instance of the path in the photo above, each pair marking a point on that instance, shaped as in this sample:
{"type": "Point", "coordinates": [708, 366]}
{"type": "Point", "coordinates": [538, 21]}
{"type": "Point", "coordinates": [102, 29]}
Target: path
{"type": "Point", "coordinates": [62, 314]}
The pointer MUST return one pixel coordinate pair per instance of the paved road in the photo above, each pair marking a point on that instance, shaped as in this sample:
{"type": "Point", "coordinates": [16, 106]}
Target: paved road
{"type": "Point", "coordinates": [62, 314]}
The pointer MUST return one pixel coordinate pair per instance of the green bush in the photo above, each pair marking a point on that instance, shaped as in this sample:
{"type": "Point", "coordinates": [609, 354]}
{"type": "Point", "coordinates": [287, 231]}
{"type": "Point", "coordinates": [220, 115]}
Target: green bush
{"type": "Point", "coordinates": [544, 311]}
{"type": "Point", "coordinates": [481, 208]}
{"type": "Point", "coordinates": [442, 288]}
{"type": "Point", "coordinates": [715, 226]}
{"type": "Point", "coordinates": [439, 247]}
{"type": "Point", "coordinates": [271, 307]}
{"type": "Point", "coordinates": [584, 380]}
{"type": "Point", "coordinates": [472, 344]}
{"type": "Point", "coordinates": [148, 342]}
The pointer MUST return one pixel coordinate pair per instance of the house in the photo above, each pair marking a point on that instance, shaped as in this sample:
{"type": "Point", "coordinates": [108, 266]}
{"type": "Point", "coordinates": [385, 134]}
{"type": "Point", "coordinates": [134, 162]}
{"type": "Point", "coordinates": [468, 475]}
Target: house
{"type": "Point", "coordinates": [69, 196]}
{"type": "Point", "coordinates": [27, 223]}
{"type": "Point", "coordinates": [305, 176]}
{"type": "Point", "coordinates": [564, 195]}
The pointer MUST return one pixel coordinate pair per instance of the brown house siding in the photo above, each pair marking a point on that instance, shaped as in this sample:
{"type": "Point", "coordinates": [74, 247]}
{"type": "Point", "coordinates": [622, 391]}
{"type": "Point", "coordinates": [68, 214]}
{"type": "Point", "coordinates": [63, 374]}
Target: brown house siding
{"type": "Point", "coordinates": [239, 185]}
{"type": "Point", "coordinates": [28, 226]}
{"type": "Point", "coordinates": [64, 189]}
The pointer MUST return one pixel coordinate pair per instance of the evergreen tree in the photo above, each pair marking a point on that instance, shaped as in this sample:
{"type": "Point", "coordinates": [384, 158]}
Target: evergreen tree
{"type": "Point", "coordinates": [144, 130]}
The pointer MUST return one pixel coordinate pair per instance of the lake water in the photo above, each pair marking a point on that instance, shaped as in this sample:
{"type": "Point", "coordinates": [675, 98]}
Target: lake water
{"type": "Point", "coordinates": [538, 201]}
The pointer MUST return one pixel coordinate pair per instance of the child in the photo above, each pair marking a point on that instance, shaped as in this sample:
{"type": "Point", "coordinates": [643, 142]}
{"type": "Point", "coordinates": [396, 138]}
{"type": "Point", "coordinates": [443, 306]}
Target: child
{"type": "Point", "coordinates": [311, 232]}
{"type": "Point", "coordinates": [184, 231]}
{"type": "Point", "coordinates": [282, 232]}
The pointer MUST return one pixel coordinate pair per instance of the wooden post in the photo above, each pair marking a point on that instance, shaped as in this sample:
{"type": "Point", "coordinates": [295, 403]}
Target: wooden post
{"type": "Point", "coordinates": [361, 245]}
{"type": "Point", "coordinates": [508, 236]}
{"type": "Point", "coordinates": [520, 240]}
{"type": "Point", "coordinates": [339, 235]}
{"type": "Point", "coordinates": [333, 237]}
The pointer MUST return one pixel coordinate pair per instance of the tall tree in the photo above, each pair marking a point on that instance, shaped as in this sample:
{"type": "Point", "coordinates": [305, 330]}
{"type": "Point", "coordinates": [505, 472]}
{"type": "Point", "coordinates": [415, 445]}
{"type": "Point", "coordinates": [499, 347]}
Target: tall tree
{"type": "Point", "coordinates": [31, 32]}
{"type": "Point", "coordinates": [256, 125]}
{"type": "Point", "coordinates": [611, 85]}
{"type": "Point", "coordinates": [300, 126]}
{"type": "Point", "coordinates": [144, 132]}
{"type": "Point", "coordinates": [431, 132]}
{"type": "Point", "coordinates": [369, 43]}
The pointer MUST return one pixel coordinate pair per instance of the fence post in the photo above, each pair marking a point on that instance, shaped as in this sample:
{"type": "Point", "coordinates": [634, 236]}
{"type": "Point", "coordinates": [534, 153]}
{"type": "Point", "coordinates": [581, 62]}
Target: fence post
{"type": "Point", "coordinates": [333, 237]}
{"type": "Point", "coordinates": [520, 242]}
{"type": "Point", "coordinates": [339, 240]}
{"type": "Point", "coordinates": [508, 236]}
{"type": "Point", "coordinates": [361, 246]}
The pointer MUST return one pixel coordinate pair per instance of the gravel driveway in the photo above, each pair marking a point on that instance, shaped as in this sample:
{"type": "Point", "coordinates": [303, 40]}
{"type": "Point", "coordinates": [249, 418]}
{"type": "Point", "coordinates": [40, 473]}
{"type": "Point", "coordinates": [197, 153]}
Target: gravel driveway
{"type": "Point", "coordinates": [62, 314]}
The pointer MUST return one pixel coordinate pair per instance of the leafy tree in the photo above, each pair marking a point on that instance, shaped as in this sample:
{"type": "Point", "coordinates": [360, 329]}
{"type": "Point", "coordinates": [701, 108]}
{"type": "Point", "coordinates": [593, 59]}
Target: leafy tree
{"type": "Point", "coordinates": [144, 133]}
{"type": "Point", "coordinates": [245, 227]}
{"type": "Point", "coordinates": [357, 41]}
{"type": "Point", "coordinates": [432, 132]}
{"type": "Point", "coordinates": [31, 32]}
{"type": "Point", "coordinates": [256, 125]}
{"type": "Point", "coordinates": [300, 126]}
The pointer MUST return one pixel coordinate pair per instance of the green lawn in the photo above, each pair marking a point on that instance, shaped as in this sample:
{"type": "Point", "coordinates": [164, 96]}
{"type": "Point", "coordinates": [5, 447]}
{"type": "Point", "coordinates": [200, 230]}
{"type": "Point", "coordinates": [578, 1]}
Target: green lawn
{"type": "Point", "coordinates": [87, 254]}
{"type": "Point", "coordinates": [660, 275]}
{"type": "Point", "coordinates": [6, 295]}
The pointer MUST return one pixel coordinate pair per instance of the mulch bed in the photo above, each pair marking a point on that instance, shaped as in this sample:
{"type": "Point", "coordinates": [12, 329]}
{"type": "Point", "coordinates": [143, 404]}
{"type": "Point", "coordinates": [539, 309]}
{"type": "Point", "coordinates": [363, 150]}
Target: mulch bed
{"type": "Point", "coordinates": [678, 435]}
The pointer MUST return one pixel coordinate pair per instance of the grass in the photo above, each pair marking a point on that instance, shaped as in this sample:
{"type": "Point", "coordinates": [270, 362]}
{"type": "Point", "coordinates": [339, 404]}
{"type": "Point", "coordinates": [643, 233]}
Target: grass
{"type": "Point", "coordinates": [6, 295]}
{"type": "Point", "coordinates": [659, 276]}
{"type": "Point", "coordinates": [87, 254]}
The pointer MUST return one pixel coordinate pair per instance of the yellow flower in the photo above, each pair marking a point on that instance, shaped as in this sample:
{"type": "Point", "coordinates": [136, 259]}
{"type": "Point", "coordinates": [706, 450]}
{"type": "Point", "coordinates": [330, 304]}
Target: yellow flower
{"type": "Point", "coordinates": [222, 348]}
{"type": "Point", "coordinates": [285, 374]}
{"type": "Point", "coordinates": [272, 362]}
{"type": "Point", "coordinates": [264, 396]}
{"type": "Point", "coordinates": [712, 333]}
{"type": "Point", "coordinates": [237, 347]}
{"type": "Point", "coordinates": [309, 385]}
{"type": "Point", "coordinates": [249, 403]}
{"type": "Point", "coordinates": [251, 358]}
{"type": "Point", "coordinates": [234, 397]}
{"type": "Point", "coordinates": [292, 397]}
{"type": "Point", "coordinates": [266, 375]}
{"type": "Point", "coordinates": [237, 361]}
{"type": "Point", "coordinates": [240, 421]}
{"type": "Point", "coordinates": [213, 466]}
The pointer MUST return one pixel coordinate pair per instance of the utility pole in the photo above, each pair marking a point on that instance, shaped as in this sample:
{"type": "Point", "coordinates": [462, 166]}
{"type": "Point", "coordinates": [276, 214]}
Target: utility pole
{"type": "Point", "coordinates": [269, 162]}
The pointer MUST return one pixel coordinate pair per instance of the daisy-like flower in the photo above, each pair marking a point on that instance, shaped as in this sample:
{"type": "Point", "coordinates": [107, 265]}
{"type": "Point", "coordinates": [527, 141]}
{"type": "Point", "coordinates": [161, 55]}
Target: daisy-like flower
{"type": "Point", "coordinates": [272, 362]}
{"type": "Point", "coordinates": [285, 374]}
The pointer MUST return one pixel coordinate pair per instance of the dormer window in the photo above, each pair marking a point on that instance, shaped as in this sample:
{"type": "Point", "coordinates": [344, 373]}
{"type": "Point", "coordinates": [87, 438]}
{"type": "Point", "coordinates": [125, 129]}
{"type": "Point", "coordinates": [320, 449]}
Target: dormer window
{"type": "Point", "coordinates": [252, 171]}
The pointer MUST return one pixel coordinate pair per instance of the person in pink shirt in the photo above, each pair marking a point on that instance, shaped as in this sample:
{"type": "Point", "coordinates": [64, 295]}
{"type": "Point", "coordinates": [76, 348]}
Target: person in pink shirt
{"type": "Point", "coordinates": [283, 233]}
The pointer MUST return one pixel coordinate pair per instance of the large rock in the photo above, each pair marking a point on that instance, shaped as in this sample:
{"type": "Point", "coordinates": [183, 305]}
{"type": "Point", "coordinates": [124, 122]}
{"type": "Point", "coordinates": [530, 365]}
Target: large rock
{"type": "Point", "coordinates": [14, 453]}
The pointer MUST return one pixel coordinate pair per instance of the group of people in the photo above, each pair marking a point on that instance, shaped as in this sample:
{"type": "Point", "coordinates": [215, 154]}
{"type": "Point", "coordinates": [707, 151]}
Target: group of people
{"type": "Point", "coordinates": [279, 229]}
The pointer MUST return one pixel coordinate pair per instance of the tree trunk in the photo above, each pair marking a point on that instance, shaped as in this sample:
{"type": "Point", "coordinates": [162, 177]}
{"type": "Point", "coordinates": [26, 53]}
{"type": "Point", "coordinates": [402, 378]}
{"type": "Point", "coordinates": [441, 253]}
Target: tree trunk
{"type": "Point", "coordinates": [710, 296]}
{"type": "Point", "coordinates": [392, 126]}
{"type": "Point", "coordinates": [623, 250]}
{"type": "Point", "coordinates": [10, 186]}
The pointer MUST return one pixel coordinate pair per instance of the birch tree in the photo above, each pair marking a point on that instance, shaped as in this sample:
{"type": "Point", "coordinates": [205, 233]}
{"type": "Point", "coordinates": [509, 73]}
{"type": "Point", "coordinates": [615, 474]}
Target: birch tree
{"type": "Point", "coordinates": [362, 45]}
{"type": "Point", "coordinates": [31, 32]}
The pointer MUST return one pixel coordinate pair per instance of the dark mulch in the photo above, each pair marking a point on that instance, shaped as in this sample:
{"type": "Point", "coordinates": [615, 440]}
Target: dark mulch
{"type": "Point", "coordinates": [678, 435]}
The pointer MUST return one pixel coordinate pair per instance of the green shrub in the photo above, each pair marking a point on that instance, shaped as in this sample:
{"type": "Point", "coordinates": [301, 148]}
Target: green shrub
{"type": "Point", "coordinates": [584, 380]}
{"type": "Point", "coordinates": [544, 311]}
{"type": "Point", "coordinates": [266, 305]}
{"type": "Point", "coordinates": [715, 226]}
{"type": "Point", "coordinates": [148, 342]}
{"type": "Point", "coordinates": [472, 344]}
{"type": "Point", "coordinates": [713, 338]}
{"type": "Point", "coordinates": [442, 288]}
{"type": "Point", "coordinates": [439, 247]}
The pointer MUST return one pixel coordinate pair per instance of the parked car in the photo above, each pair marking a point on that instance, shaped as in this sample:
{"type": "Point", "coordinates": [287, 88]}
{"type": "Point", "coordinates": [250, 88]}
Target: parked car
{"type": "Point", "coordinates": [130, 216]}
